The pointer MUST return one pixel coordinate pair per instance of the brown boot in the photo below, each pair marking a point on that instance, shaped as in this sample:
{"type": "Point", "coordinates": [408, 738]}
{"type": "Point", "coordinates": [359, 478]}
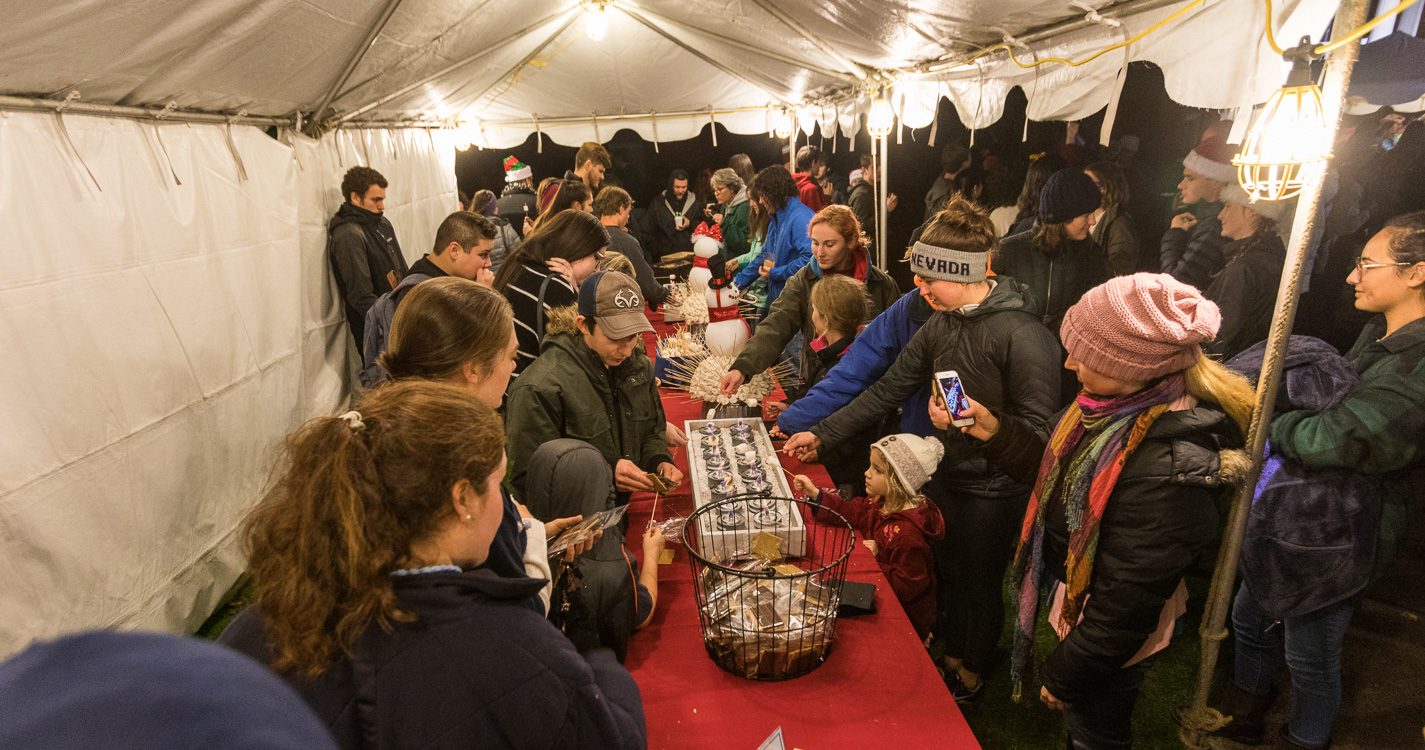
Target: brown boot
{"type": "Point", "coordinates": [1248, 714]}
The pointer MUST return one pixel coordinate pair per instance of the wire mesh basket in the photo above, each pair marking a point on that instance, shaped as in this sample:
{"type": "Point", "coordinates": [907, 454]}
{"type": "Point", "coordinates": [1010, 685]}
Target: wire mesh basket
{"type": "Point", "coordinates": [765, 616]}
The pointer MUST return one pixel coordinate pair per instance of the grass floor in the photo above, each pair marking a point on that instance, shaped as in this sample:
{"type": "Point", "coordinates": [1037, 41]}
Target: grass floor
{"type": "Point", "coordinates": [1001, 724]}
{"type": "Point", "coordinates": [998, 722]}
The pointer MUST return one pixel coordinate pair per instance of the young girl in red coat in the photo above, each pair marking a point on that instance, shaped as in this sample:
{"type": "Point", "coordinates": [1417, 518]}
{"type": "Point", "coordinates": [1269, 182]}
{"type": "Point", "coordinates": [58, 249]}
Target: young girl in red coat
{"type": "Point", "coordinates": [897, 522]}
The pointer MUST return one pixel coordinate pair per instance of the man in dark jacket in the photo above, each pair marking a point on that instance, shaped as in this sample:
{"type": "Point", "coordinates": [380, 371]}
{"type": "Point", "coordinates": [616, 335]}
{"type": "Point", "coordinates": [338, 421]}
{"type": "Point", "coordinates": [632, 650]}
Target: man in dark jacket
{"type": "Point", "coordinates": [862, 198]}
{"type": "Point", "coordinates": [954, 158]}
{"type": "Point", "coordinates": [591, 162]}
{"type": "Point", "coordinates": [472, 635]}
{"type": "Point", "coordinates": [362, 247]}
{"type": "Point", "coordinates": [670, 218]}
{"type": "Point", "coordinates": [518, 201]}
{"type": "Point", "coordinates": [1191, 250]}
{"type": "Point", "coordinates": [586, 385]}
{"type": "Point", "coordinates": [613, 206]}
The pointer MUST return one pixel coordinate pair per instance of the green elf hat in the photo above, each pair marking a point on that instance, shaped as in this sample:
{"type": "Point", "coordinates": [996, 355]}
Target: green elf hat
{"type": "Point", "coordinates": [516, 170]}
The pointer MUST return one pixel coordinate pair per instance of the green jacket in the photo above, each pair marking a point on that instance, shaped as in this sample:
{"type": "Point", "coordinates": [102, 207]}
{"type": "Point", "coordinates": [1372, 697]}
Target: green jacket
{"type": "Point", "coordinates": [735, 229]}
{"type": "Point", "coordinates": [1375, 429]}
{"type": "Point", "coordinates": [568, 393]}
{"type": "Point", "coordinates": [791, 312]}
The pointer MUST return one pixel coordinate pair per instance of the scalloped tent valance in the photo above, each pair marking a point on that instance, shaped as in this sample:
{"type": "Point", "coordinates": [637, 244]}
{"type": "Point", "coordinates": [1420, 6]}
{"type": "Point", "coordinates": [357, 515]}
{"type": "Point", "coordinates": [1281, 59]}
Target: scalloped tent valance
{"type": "Point", "coordinates": [663, 68]}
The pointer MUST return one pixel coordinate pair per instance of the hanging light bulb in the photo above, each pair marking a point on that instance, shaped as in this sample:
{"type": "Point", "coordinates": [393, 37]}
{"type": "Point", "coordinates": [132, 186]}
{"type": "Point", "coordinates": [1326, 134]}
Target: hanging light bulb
{"type": "Point", "coordinates": [598, 24]}
{"type": "Point", "coordinates": [1288, 145]}
{"type": "Point", "coordinates": [881, 119]}
{"type": "Point", "coordinates": [782, 125]}
{"type": "Point", "coordinates": [458, 136]}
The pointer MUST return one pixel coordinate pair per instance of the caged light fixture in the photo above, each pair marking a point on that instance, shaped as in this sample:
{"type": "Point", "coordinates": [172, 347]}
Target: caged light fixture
{"type": "Point", "coordinates": [881, 119]}
{"type": "Point", "coordinates": [1288, 144]}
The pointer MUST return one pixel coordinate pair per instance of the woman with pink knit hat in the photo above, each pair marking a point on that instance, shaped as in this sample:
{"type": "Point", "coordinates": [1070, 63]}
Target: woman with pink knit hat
{"type": "Point", "coordinates": [1125, 496]}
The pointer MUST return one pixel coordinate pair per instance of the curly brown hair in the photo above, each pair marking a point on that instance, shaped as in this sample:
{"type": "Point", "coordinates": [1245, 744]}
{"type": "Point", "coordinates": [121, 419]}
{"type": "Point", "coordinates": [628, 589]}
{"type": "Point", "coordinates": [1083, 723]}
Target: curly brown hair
{"type": "Point", "coordinates": [774, 185]}
{"type": "Point", "coordinates": [349, 504]}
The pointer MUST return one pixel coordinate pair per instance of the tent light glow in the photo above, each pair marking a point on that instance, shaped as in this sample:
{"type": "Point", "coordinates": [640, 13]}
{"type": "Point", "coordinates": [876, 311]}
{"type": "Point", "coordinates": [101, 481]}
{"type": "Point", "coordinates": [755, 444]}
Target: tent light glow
{"type": "Point", "coordinates": [881, 119]}
{"type": "Point", "coordinates": [1289, 143]}
{"type": "Point", "coordinates": [782, 124]}
{"type": "Point", "coordinates": [597, 26]}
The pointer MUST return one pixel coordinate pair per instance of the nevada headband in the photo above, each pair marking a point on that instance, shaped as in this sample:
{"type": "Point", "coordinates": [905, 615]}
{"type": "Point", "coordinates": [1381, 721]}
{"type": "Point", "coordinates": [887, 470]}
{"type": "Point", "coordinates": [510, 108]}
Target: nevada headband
{"type": "Point", "coordinates": [944, 264]}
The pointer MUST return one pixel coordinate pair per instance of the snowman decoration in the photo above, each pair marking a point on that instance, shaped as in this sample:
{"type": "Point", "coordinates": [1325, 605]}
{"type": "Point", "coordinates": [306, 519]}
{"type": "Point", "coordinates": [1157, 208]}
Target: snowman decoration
{"type": "Point", "coordinates": [707, 242]}
{"type": "Point", "coordinates": [726, 334]}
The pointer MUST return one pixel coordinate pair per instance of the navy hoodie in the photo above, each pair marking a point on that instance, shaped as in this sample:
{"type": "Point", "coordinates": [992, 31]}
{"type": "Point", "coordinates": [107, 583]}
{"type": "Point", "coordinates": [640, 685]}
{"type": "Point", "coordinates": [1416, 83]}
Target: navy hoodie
{"type": "Point", "coordinates": [476, 669]}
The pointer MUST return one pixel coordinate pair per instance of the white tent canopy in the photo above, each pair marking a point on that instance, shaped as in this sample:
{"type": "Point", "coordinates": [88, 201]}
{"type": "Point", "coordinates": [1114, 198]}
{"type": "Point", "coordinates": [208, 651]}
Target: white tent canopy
{"type": "Point", "coordinates": [508, 67]}
{"type": "Point", "coordinates": [165, 302]}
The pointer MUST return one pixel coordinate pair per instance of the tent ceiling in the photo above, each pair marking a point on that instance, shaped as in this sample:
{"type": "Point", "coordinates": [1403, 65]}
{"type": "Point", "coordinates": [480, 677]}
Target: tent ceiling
{"type": "Point", "coordinates": [508, 60]}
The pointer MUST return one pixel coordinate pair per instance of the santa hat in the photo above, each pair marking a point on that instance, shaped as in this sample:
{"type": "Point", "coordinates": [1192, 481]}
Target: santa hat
{"type": "Point", "coordinates": [708, 230]}
{"type": "Point", "coordinates": [516, 170]}
{"type": "Point", "coordinates": [1212, 159]}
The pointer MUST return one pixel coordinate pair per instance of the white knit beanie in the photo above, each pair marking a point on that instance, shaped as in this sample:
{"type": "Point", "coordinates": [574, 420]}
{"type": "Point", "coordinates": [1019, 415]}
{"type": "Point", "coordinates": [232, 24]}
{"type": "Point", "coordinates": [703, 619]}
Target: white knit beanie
{"type": "Point", "coordinates": [912, 457]}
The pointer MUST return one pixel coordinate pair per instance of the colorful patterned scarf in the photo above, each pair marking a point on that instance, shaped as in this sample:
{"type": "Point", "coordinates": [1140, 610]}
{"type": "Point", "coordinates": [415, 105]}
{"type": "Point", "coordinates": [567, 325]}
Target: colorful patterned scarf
{"type": "Point", "coordinates": [1113, 429]}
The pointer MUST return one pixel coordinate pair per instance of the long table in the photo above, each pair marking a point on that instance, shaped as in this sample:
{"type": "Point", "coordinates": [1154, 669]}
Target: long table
{"type": "Point", "coordinates": [878, 687]}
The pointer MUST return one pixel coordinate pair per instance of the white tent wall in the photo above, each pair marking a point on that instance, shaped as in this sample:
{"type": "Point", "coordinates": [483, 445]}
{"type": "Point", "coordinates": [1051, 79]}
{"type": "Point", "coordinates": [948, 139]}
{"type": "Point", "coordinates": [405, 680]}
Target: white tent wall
{"type": "Point", "coordinates": [161, 339]}
{"type": "Point", "coordinates": [419, 166]}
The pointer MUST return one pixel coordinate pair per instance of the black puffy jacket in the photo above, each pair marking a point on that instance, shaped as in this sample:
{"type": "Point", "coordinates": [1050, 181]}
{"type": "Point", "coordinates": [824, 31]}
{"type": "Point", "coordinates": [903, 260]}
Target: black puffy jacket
{"type": "Point", "coordinates": [1161, 516]}
{"type": "Point", "coordinates": [1006, 359]}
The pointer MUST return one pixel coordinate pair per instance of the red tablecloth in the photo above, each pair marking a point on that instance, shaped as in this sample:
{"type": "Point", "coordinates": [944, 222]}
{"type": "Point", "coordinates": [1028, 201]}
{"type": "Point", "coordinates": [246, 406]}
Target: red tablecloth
{"type": "Point", "coordinates": [878, 688]}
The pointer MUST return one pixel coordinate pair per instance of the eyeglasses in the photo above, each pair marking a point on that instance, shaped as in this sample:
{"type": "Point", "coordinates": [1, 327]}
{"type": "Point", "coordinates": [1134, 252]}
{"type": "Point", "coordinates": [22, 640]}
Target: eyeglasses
{"type": "Point", "coordinates": [1362, 266]}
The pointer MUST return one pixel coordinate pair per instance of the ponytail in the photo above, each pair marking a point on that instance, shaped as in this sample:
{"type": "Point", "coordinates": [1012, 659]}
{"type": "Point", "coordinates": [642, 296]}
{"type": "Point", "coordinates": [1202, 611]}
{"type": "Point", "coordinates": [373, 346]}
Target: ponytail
{"type": "Point", "coordinates": [1210, 380]}
{"type": "Point", "coordinates": [355, 494]}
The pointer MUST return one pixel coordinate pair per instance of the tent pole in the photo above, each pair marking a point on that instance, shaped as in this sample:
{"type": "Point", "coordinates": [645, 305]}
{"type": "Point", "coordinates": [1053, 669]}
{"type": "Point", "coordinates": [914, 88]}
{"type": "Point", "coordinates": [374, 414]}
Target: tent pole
{"type": "Point", "coordinates": [639, 17]}
{"type": "Point", "coordinates": [314, 124]}
{"type": "Point", "coordinates": [22, 104]}
{"type": "Point", "coordinates": [744, 46]}
{"type": "Point", "coordinates": [483, 53]}
{"type": "Point", "coordinates": [830, 51]}
{"type": "Point", "coordinates": [1197, 720]}
{"type": "Point", "coordinates": [515, 68]}
{"type": "Point", "coordinates": [881, 172]}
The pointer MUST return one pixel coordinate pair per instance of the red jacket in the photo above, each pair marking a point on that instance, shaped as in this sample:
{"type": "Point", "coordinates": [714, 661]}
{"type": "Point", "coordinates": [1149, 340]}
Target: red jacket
{"type": "Point", "coordinates": [809, 192]}
{"type": "Point", "coordinates": [902, 549]}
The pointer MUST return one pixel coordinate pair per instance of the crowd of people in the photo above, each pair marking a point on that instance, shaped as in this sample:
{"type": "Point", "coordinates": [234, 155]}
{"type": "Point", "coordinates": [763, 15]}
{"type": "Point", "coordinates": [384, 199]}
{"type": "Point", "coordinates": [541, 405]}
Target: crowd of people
{"type": "Point", "coordinates": [1091, 428]}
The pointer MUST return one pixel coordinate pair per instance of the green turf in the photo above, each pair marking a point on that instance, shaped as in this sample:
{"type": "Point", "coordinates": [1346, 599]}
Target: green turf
{"type": "Point", "coordinates": [239, 596]}
{"type": "Point", "coordinates": [1001, 724]}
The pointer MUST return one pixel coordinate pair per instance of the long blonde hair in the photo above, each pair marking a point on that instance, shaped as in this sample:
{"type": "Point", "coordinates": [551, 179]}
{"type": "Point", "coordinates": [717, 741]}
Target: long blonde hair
{"type": "Point", "coordinates": [1210, 380]}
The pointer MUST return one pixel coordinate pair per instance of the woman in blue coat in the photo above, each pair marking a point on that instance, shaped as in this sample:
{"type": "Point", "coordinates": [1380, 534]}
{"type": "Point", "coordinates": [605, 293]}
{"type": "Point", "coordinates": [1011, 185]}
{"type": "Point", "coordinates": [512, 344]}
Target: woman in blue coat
{"type": "Point", "coordinates": [787, 245]}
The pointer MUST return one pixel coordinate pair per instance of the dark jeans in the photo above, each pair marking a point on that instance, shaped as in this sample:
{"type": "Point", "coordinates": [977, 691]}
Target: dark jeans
{"type": "Point", "coordinates": [1312, 646]}
{"type": "Point", "coordinates": [1105, 720]}
{"type": "Point", "coordinates": [980, 537]}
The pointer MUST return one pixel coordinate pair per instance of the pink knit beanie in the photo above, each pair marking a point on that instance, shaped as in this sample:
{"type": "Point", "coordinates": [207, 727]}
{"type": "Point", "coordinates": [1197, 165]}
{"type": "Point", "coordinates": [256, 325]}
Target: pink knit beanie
{"type": "Point", "coordinates": [1140, 327]}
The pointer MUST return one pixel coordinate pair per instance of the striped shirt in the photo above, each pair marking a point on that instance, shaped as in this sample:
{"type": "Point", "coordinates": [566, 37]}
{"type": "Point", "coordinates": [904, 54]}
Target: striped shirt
{"type": "Point", "coordinates": [523, 295]}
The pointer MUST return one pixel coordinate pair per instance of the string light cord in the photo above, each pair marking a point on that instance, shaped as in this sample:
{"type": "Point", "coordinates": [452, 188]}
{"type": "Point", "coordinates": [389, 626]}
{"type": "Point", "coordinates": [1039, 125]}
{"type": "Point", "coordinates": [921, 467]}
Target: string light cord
{"type": "Point", "coordinates": [1321, 50]}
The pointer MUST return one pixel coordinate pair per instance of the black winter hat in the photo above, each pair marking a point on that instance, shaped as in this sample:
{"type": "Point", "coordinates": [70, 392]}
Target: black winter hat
{"type": "Point", "coordinates": [1067, 195]}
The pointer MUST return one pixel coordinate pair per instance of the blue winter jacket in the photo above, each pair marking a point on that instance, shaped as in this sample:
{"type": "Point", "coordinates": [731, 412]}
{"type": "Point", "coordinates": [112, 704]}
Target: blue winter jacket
{"type": "Point", "coordinates": [865, 361]}
{"type": "Point", "coordinates": [787, 244]}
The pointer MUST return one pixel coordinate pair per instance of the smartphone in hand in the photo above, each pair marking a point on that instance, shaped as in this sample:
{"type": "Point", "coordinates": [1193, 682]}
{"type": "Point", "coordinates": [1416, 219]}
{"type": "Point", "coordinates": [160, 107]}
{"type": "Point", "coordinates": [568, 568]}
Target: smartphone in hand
{"type": "Point", "coordinates": [952, 393]}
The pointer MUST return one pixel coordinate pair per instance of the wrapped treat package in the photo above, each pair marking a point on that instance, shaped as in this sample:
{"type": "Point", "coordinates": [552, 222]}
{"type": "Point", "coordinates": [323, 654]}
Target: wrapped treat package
{"type": "Point", "coordinates": [766, 627]}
